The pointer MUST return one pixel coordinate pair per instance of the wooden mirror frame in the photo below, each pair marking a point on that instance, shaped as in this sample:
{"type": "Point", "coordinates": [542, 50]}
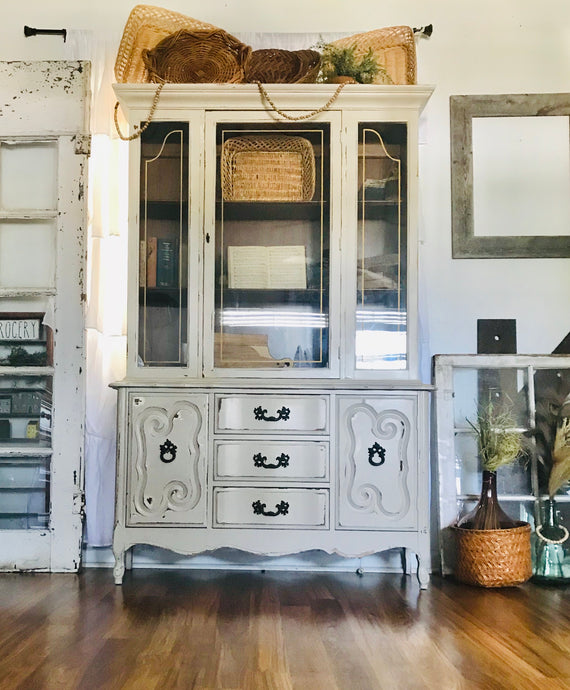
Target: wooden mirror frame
{"type": "Point", "coordinates": [465, 244]}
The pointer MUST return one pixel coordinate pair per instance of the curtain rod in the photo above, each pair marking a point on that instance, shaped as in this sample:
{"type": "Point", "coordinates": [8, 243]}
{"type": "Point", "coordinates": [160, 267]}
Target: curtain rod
{"type": "Point", "coordinates": [30, 31]}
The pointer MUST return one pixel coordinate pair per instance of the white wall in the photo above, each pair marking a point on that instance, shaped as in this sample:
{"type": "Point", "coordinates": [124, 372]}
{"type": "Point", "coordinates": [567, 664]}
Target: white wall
{"type": "Point", "coordinates": [516, 46]}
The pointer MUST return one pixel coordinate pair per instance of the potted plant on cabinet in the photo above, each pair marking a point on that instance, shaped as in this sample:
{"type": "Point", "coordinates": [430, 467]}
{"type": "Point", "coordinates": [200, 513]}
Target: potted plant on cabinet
{"type": "Point", "coordinates": [492, 549]}
{"type": "Point", "coordinates": [341, 64]}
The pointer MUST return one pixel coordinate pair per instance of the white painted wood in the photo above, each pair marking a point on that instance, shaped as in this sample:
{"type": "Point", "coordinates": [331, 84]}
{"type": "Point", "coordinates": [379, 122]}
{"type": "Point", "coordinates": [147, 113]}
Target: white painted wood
{"type": "Point", "coordinates": [49, 103]}
{"type": "Point", "coordinates": [377, 470]}
{"type": "Point", "coordinates": [270, 508]}
{"type": "Point", "coordinates": [267, 414]}
{"type": "Point", "coordinates": [262, 460]}
{"type": "Point", "coordinates": [167, 477]}
{"type": "Point", "coordinates": [325, 496]}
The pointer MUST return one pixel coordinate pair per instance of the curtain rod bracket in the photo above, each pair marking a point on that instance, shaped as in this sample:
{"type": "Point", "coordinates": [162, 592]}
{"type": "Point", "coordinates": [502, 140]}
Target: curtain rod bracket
{"type": "Point", "coordinates": [30, 31]}
{"type": "Point", "coordinates": [424, 30]}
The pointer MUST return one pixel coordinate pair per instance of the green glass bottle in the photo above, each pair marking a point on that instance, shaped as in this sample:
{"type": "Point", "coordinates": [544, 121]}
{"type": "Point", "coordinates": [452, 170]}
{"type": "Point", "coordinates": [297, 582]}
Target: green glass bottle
{"type": "Point", "coordinates": [551, 549]}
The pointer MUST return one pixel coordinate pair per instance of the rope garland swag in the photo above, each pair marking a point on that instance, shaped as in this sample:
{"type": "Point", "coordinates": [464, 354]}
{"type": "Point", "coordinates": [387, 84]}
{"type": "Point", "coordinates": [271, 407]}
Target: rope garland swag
{"type": "Point", "coordinates": [264, 96]}
{"type": "Point", "coordinates": [295, 118]}
{"type": "Point", "coordinates": [151, 112]}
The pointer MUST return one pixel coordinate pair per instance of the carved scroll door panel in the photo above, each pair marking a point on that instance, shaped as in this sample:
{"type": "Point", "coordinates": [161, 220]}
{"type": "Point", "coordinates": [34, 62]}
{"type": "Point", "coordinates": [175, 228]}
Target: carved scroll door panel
{"type": "Point", "coordinates": [167, 474]}
{"type": "Point", "coordinates": [377, 463]}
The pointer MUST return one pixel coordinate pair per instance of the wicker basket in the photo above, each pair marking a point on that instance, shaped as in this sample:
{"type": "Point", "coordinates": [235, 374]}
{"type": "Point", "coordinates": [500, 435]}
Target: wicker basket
{"type": "Point", "coordinates": [493, 558]}
{"type": "Point", "coordinates": [276, 66]}
{"type": "Point", "coordinates": [394, 48]}
{"type": "Point", "coordinates": [271, 167]}
{"type": "Point", "coordinates": [146, 26]}
{"type": "Point", "coordinates": [202, 56]}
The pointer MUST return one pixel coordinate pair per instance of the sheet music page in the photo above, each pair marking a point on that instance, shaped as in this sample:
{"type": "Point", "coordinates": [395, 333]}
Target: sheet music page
{"type": "Point", "coordinates": [275, 267]}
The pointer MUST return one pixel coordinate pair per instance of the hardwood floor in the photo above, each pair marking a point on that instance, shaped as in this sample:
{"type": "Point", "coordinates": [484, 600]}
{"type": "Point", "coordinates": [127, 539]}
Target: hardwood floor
{"type": "Point", "coordinates": [277, 631]}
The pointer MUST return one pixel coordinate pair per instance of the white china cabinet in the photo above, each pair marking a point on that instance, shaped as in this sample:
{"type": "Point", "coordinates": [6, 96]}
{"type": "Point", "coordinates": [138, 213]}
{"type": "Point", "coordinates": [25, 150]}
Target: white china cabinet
{"type": "Point", "coordinates": [272, 401]}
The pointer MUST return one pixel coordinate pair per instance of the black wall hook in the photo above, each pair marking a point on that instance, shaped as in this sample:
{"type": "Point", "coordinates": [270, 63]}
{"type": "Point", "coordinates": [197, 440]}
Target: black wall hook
{"type": "Point", "coordinates": [30, 31]}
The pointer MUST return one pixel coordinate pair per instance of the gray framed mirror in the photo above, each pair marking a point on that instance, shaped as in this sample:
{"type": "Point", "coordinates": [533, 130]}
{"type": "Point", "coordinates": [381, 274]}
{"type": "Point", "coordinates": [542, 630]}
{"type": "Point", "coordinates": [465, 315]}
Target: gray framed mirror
{"type": "Point", "coordinates": [510, 176]}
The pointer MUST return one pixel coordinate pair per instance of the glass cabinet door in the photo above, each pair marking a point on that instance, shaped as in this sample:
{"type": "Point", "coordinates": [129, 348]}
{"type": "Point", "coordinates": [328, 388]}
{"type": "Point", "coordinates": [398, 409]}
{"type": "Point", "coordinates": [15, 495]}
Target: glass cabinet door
{"type": "Point", "coordinates": [272, 242]}
{"type": "Point", "coordinates": [163, 245]}
{"type": "Point", "coordinates": [381, 335]}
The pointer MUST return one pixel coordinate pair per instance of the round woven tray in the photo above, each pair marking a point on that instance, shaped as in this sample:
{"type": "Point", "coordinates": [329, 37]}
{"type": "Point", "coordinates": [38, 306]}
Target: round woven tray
{"type": "Point", "coordinates": [493, 557]}
{"type": "Point", "coordinates": [202, 56]}
{"type": "Point", "coordinates": [146, 26]}
{"type": "Point", "coordinates": [276, 66]}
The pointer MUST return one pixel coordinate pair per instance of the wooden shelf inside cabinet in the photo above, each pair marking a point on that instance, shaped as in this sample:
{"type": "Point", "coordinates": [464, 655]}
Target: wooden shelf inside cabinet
{"type": "Point", "coordinates": [164, 296]}
{"type": "Point", "coordinates": [264, 297]}
{"type": "Point", "coordinates": [163, 210]}
{"type": "Point", "coordinates": [272, 210]}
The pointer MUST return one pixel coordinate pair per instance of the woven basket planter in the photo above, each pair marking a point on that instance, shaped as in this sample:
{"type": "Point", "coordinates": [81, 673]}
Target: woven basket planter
{"type": "Point", "coordinates": [268, 167]}
{"type": "Point", "coordinates": [394, 48]}
{"type": "Point", "coordinates": [493, 558]}
{"type": "Point", "coordinates": [275, 66]}
{"type": "Point", "coordinates": [146, 26]}
{"type": "Point", "coordinates": [197, 57]}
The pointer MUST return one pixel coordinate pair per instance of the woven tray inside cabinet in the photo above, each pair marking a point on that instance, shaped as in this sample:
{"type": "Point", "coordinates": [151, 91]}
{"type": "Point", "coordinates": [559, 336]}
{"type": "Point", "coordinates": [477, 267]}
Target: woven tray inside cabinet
{"type": "Point", "coordinates": [271, 167]}
{"type": "Point", "coordinates": [393, 47]}
{"type": "Point", "coordinates": [202, 56]}
{"type": "Point", "coordinates": [146, 26]}
{"type": "Point", "coordinates": [276, 66]}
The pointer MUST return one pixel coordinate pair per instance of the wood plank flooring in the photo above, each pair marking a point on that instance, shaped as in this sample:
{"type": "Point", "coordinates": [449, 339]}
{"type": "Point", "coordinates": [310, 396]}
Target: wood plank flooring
{"type": "Point", "coordinates": [278, 631]}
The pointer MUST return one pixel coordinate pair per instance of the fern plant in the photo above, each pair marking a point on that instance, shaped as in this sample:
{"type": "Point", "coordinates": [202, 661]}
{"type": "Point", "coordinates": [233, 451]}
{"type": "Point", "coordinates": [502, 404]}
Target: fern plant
{"type": "Point", "coordinates": [340, 61]}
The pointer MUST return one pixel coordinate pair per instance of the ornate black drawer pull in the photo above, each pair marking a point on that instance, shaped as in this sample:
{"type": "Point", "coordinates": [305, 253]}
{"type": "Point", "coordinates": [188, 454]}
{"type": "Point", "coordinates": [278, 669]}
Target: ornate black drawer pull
{"type": "Point", "coordinates": [260, 460]}
{"type": "Point", "coordinates": [282, 414]}
{"type": "Point", "coordinates": [280, 509]}
{"type": "Point", "coordinates": [168, 451]}
{"type": "Point", "coordinates": [376, 449]}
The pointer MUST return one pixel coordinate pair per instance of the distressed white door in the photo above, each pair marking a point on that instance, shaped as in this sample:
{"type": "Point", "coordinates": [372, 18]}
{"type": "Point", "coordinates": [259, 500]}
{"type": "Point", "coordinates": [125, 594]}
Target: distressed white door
{"type": "Point", "coordinates": [44, 141]}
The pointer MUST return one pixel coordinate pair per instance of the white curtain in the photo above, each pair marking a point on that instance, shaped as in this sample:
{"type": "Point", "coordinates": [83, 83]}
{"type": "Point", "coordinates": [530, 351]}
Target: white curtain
{"type": "Point", "coordinates": [106, 283]}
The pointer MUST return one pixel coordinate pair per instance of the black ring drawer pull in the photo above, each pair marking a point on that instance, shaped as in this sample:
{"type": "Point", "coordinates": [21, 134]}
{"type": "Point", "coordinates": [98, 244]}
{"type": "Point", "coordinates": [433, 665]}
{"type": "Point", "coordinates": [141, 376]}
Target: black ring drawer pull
{"type": "Point", "coordinates": [260, 460]}
{"type": "Point", "coordinates": [281, 508]}
{"type": "Point", "coordinates": [376, 449]}
{"type": "Point", "coordinates": [168, 451]}
{"type": "Point", "coordinates": [282, 414]}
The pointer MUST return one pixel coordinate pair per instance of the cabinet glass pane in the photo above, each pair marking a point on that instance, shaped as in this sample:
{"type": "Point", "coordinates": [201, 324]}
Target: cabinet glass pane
{"type": "Point", "coordinates": [163, 247]}
{"type": "Point", "coordinates": [25, 411]}
{"type": "Point", "coordinates": [381, 305]}
{"type": "Point", "coordinates": [272, 246]}
{"type": "Point", "coordinates": [24, 492]}
{"type": "Point", "coordinates": [28, 178]}
{"type": "Point", "coordinates": [27, 253]}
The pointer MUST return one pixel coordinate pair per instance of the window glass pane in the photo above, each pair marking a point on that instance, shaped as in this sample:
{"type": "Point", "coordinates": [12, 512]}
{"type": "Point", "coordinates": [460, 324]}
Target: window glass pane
{"type": "Point", "coordinates": [24, 492]}
{"type": "Point", "coordinates": [24, 340]}
{"type": "Point", "coordinates": [27, 253]}
{"type": "Point", "coordinates": [28, 176]}
{"type": "Point", "coordinates": [25, 411]}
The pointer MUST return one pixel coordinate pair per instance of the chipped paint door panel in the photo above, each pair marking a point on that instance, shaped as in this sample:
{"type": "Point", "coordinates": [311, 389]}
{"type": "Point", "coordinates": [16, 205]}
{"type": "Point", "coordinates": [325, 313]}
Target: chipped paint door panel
{"type": "Point", "coordinates": [44, 111]}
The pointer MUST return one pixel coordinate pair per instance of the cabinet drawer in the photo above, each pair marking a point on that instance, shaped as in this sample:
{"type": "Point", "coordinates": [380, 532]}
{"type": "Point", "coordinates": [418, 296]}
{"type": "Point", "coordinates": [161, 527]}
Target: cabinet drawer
{"type": "Point", "coordinates": [270, 413]}
{"type": "Point", "coordinates": [271, 508]}
{"type": "Point", "coordinates": [259, 459]}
